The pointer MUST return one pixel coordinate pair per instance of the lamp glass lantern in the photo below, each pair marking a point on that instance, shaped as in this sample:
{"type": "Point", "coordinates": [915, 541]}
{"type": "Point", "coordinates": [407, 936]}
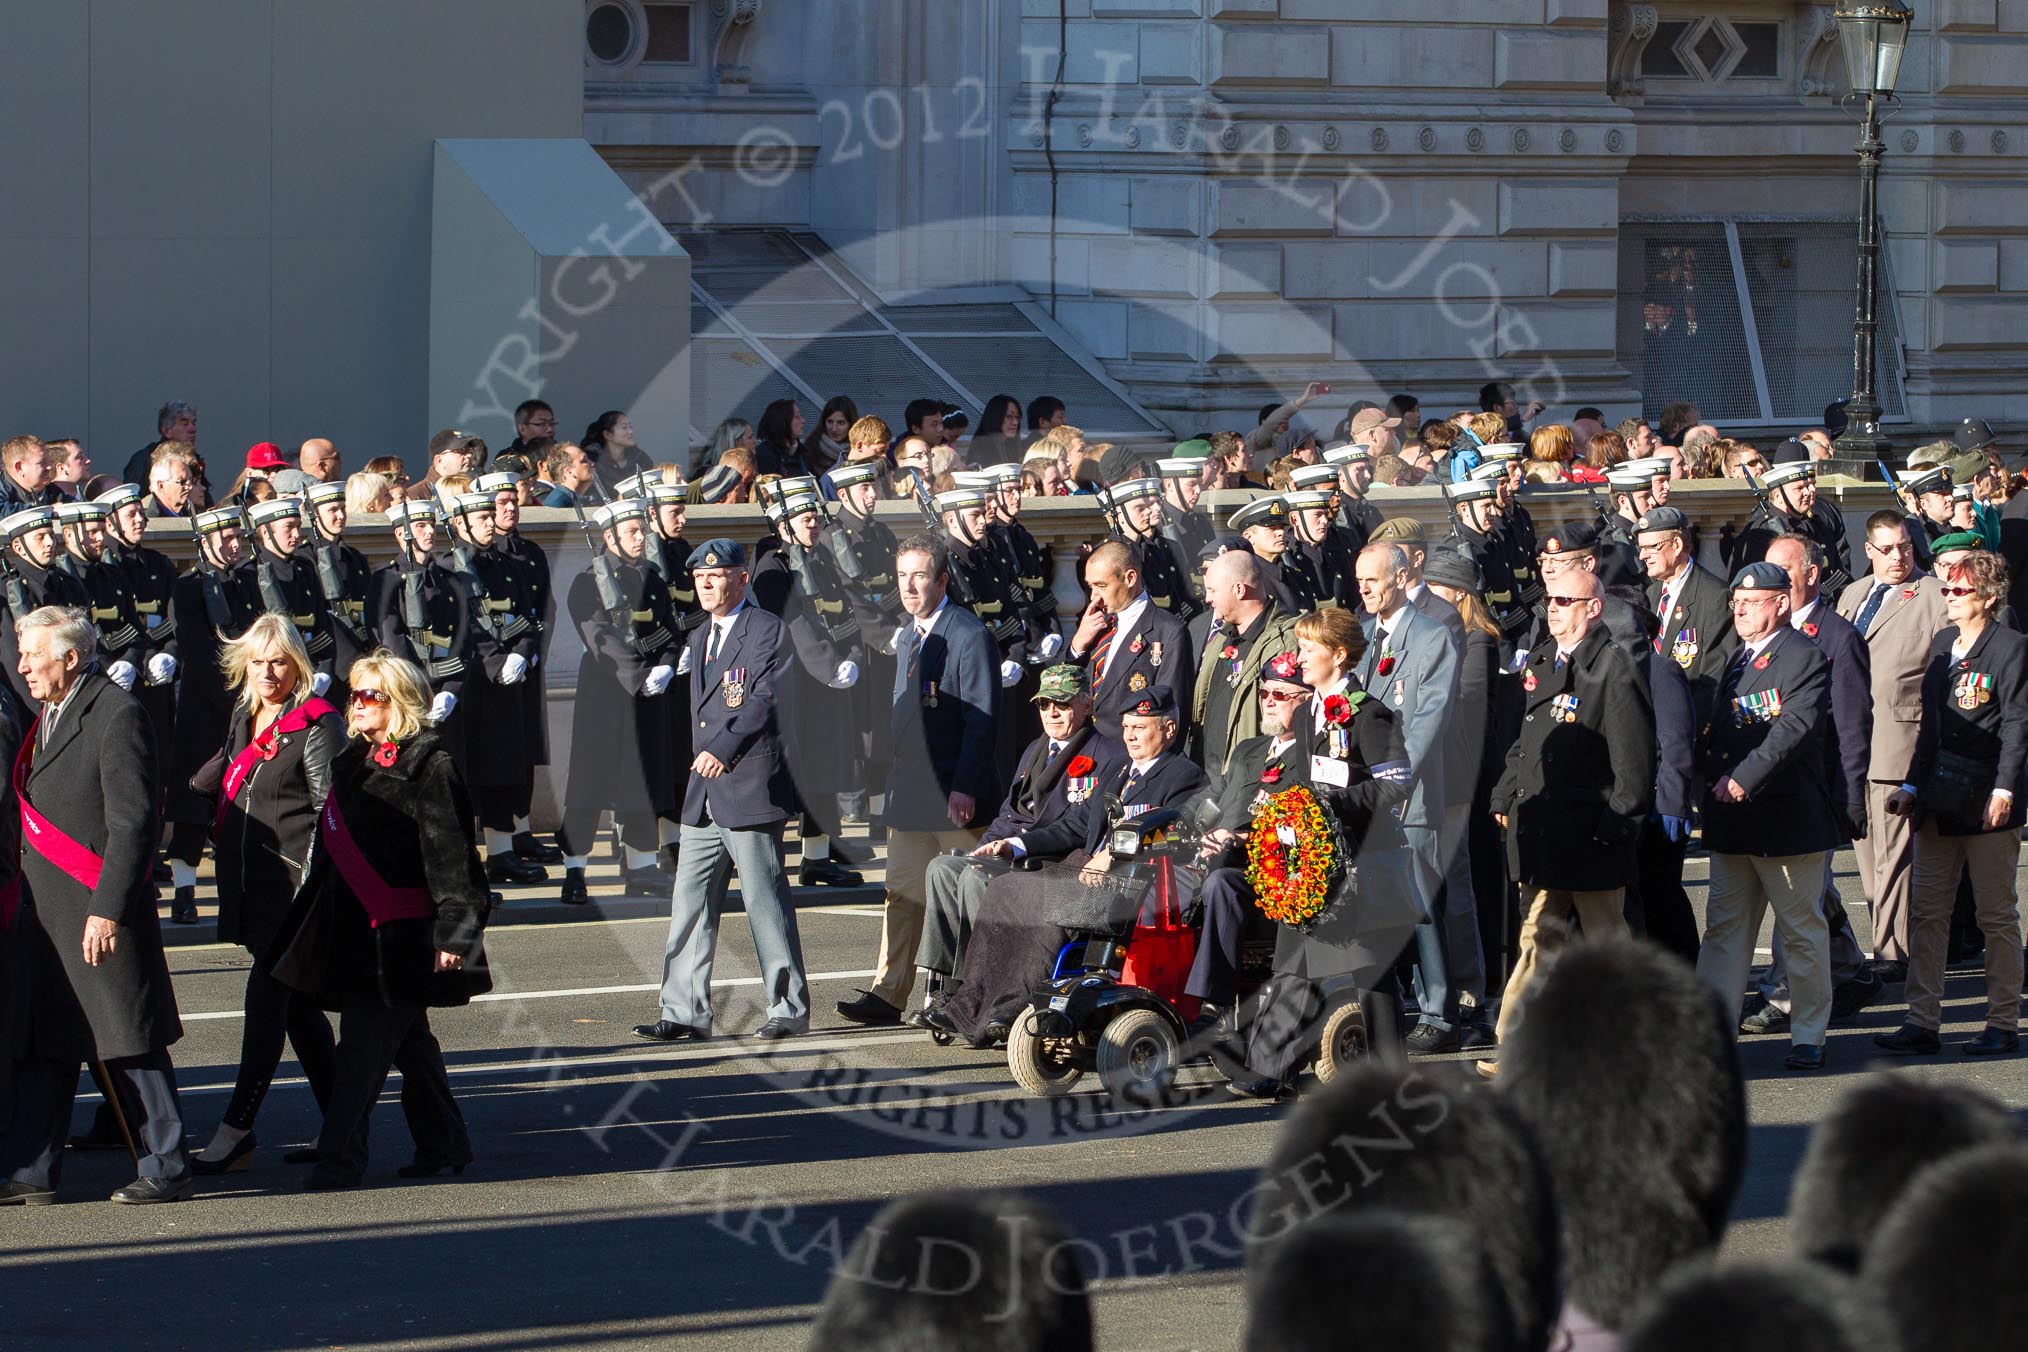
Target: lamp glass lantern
{"type": "Point", "coordinates": [1874, 34]}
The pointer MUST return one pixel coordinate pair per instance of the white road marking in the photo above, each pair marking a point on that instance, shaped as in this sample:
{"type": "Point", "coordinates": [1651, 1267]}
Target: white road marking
{"type": "Point", "coordinates": [495, 996]}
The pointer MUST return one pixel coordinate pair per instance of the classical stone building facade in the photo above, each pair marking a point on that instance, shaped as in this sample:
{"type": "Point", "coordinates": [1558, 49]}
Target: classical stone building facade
{"type": "Point", "coordinates": [1207, 203]}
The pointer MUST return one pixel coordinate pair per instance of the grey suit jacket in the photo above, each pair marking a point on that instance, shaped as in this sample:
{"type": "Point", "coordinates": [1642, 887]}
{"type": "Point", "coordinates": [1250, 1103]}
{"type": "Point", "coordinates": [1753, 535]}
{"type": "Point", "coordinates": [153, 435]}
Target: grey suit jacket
{"type": "Point", "coordinates": [1898, 641]}
{"type": "Point", "coordinates": [1420, 687]}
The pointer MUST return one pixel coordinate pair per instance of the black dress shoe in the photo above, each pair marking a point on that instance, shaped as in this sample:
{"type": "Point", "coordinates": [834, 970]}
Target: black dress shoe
{"type": "Point", "coordinates": [237, 1160]}
{"type": "Point", "coordinates": [147, 1191]}
{"type": "Point", "coordinates": [575, 893]}
{"type": "Point", "coordinates": [1908, 1040]}
{"type": "Point", "coordinates": [1852, 996]}
{"type": "Point", "coordinates": [25, 1194]}
{"type": "Point", "coordinates": [870, 1009]}
{"type": "Point", "coordinates": [776, 1029]}
{"type": "Point", "coordinates": [309, 1154]}
{"type": "Point", "coordinates": [325, 1180]}
{"type": "Point", "coordinates": [508, 868]}
{"type": "Point", "coordinates": [1763, 1021]}
{"type": "Point", "coordinates": [162, 873]}
{"type": "Point", "coordinates": [183, 907]}
{"type": "Point", "coordinates": [994, 1034]}
{"type": "Point", "coordinates": [1994, 1042]}
{"type": "Point", "coordinates": [1805, 1056]}
{"type": "Point", "coordinates": [646, 882]}
{"type": "Point", "coordinates": [668, 1030]}
{"type": "Point", "coordinates": [1429, 1040]}
{"type": "Point", "coordinates": [827, 873]}
{"type": "Point", "coordinates": [526, 846]}
{"type": "Point", "coordinates": [1257, 1087]}
{"type": "Point", "coordinates": [919, 1017]}
{"type": "Point", "coordinates": [429, 1166]}
{"type": "Point", "coordinates": [937, 1021]}
{"type": "Point", "coordinates": [1478, 1038]}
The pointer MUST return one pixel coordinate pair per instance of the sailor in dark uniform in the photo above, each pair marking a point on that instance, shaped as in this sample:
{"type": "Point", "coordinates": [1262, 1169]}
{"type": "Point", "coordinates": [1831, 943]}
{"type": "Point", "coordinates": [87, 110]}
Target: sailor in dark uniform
{"type": "Point", "coordinates": [863, 549]}
{"type": "Point", "coordinates": [799, 585]}
{"type": "Point", "coordinates": [668, 555]}
{"type": "Point", "coordinates": [1033, 567]}
{"type": "Point", "coordinates": [1792, 507]}
{"type": "Point", "coordinates": [981, 584]}
{"type": "Point", "coordinates": [344, 579]}
{"type": "Point", "coordinates": [1320, 547]}
{"type": "Point", "coordinates": [621, 748]}
{"type": "Point", "coordinates": [1515, 527]}
{"type": "Point", "coordinates": [30, 553]}
{"type": "Point", "coordinates": [505, 486]}
{"type": "Point", "coordinates": [151, 581]}
{"type": "Point", "coordinates": [419, 610]}
{"type": "Point", "coordinates": [1475, 502]}
{"type": "Point", "coordinates": [497, 766]}
{"type": "Point", "coordinates": [1264, 525]}
{"type": "Point", "coordinates": [214, 602]}
{"type": "Point", "coordinates": [1138, 514]}
{"type": "Point", "coordinates": [1928, 492]}
{"type": "Point", "coordinates": [290, 588]}
{"type": "Point", "coordinates": [1186, 527]}
{"type": "Point", "coordinates": [82, 526]}
{"type": "Point", "coordinates": [1354, 464]}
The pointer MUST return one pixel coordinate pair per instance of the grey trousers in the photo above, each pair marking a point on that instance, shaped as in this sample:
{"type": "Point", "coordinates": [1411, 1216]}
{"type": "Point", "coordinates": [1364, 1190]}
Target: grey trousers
{"type": "Point", "coordinates": [44, 1093]}
{"type": "Point", "coordinates": [954, 888]}
{"type": "Point", "coordinates": [1450, 972]}
{"type": "Point", "coordinates": [705, 860]}
{"type": "Point", "coordinates": [1847, 959]}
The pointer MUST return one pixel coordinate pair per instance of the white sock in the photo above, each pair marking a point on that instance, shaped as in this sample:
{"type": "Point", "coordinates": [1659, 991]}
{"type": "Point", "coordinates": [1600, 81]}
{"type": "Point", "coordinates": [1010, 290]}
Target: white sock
{"type": "Point", "coordinates": [182, 874]}
{"type": "Point", "coordinates": [637, 859]}
{"type": "Point", "coordinates": [576, 861]}
{"type": "Point", "coordinates": [498, 843]}
{"type": "Point", "coordinates": [668, 832]}
{"type": "Point", "coordinates": [521, 826]}
{"type": "Point", "coordinates": [816, 848]}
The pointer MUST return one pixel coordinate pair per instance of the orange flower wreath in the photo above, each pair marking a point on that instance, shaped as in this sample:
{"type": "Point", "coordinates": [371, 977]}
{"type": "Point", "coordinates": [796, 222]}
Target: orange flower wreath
{"type": "Point", "coordinates": [1293, 877]}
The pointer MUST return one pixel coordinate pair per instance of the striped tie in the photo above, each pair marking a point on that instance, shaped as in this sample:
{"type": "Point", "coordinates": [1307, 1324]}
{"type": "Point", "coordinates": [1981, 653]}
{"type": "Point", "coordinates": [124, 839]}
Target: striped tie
{"type": "Point", "coordinates": [1100, 653]}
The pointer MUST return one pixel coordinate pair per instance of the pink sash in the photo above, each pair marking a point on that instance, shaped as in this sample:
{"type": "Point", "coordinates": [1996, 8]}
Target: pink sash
{"type": "Point", "coordinates": [383, 902]}
{"type": "Point", "coordinates": [262, 747]}
{"type": "Point", "coordinates": [42, 835]}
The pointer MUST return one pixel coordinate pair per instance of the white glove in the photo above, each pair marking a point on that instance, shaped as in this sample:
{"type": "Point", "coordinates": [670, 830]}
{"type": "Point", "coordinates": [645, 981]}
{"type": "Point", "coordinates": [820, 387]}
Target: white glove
{"type": "Point", "coordinates": [900, 637]}
{"type": "Point", "coordinates": [658, 679]}
{"type": "Point", "coordinates": [847, 677]}
{"type": "Point", "coordinates": [161, 669]}
{"type": "Point", "coordinates": [441, 706]}
{"type": "Point", "coordinates": [1010, 673]}
{"type": "Point", "coordinates": [513, 669]}
{"type": "Point", "coordinates": [683, 661]}
{"type": "Point", "coordinates": [122, 674]}
{"type": "Point", "coordinates": [1051, 645]}
{"type": "Point", "coordinates": [320, 683]}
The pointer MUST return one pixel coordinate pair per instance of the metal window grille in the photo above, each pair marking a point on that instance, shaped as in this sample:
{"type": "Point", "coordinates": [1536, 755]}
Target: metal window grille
{"type": "Point", "coordinates": [1749, 320]}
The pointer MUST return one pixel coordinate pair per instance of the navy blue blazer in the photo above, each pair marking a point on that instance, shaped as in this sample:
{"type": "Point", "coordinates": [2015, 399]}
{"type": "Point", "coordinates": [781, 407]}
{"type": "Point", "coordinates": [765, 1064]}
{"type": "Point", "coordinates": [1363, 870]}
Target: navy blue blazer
{"type": "Point", "coordinates": [1042, 794]}
{"type": "Point", "coordinates": [1170, 782]}
{"type": "Point", "coordinates": [946, 697]}
{"type": "Point", "coordinates": [1675, 737]}
{"type": "Point", "coordinates": [733, 715]}
{"type": "Point", "coordinates": [1851, 700]}
{"type": "Point", "coordinates": [1157, 651]}
{"type": "Point", "coordinates": [1770, 732]}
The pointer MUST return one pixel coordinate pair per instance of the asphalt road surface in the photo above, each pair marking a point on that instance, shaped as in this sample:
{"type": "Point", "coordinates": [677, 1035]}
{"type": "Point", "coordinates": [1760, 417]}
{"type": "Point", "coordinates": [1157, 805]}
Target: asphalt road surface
{"type": "Point", "coordinates": [628, 1195]}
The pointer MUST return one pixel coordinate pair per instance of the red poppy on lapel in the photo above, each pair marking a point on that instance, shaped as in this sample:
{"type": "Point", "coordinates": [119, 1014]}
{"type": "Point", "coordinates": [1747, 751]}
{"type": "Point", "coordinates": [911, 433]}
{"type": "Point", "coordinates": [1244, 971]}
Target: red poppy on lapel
{"type": "Point", "coordinates": [1337, 711]}
{"type": "Point", "coordinates": [1271, 774]}
{"type": "Point", "coordinates": [1810, 628]}
{"type": "Point", "coordinates": [1386, 665]}
{"type": "Point", "coordinates": [1079, 767]}
{"type": "Point", "coordinates": [1760, 663]}
{"type": "Point", "coordinates": [386, 754]}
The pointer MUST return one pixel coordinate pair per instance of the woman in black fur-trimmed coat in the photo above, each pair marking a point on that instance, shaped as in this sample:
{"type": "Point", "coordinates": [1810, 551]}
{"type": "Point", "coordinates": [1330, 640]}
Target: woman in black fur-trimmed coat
{"type": "Point", "coordinates": [389, 923]}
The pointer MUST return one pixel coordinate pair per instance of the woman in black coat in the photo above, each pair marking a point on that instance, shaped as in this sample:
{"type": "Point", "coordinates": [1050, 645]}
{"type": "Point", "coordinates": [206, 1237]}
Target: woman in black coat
{"type": "Point", "coordinates": [1970, 798]}
{"type": "Point", "coordinates": [270, 781]}
{"type": "Point", "coordinates": [389, 923]}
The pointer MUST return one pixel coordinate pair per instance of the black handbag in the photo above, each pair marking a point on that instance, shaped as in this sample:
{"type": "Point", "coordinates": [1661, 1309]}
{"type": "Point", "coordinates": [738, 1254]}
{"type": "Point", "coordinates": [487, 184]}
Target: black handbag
{"type": "Point", "coordinates": [1958, 790]}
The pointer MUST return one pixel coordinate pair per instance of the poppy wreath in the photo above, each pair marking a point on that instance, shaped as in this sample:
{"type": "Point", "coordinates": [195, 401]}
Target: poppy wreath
{"type": "Point", "coordinates": [1293, 882]}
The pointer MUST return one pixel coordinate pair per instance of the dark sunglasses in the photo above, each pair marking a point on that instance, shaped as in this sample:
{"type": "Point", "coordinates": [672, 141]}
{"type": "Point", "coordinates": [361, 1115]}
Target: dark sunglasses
{"type": "Point", "coordinates": [1960, 591]}
{"type": "Point", "coordinates": [1280, 696]}
{"type": "Point", "coordinates": [1567, 600]}
{"type": "Point", "coordinates": [368, 697]}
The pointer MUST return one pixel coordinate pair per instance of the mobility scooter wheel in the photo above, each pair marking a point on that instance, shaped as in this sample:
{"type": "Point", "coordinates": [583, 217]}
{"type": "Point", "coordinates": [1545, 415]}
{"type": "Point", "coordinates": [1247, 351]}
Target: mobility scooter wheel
{"type": "Point", "coordinates": [1045, 1066]}
{"type": "Point", "coordinates": [1343, 1042]}
{"type": "Point", "coordinates": [1137, 1056]}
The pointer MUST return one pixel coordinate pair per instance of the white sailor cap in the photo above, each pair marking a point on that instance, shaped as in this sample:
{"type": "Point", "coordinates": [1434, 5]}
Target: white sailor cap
{"type": "Point", "coordinates": [1654, 466]}
{"type": "Point", "coordinates": [1314, 476]}
{"type": "Point", "coordinates": [1787, 472]}
{"type": "Point", "coordinates": [70, 513]}
{"type": "Point", "coordinates": [218, 518]}
{"type": "Point", "coordinates": [1624, 480]}
{"type": "Point", "coordinates": [636, 486]}
{"type": "Point", "coordinates": [863, 472]}
{"type": "Point", "coordinates": [1349, 453]}
{"type": "Point", "coordinates": [1471, 490]}
{"type": "Point", "coordinates": [971, 478]}
{"type": "Point", "coordinates": [17, 524]}
{"type": "Point", "coordinates": [411, 510]}
{"type": "Point", "coordinates": [1003, 474]}
{"type": "Point", "coordinates": [1132, 490]}
{"type": "Point", "coordinates": [1490, 471]}
{"type": "Point", "coordinates": [464, 504]}
{"type": "Point", "coordinates": [957, 499]}
{"type": "Point", "coordinates": [1502, 452]}
{"type": "Point", "coordinates": [613, 513]}
{"type": "Point", "coordinates": [318, 492]}
{"type": "Point", "coordinates": [1179, 467]}
{"type": "Point", "coordinates": [1272, 510]}
{"type": "Point", "coordinates": [499, 481]}
{"type": "Point", "coordinates": [274, 509]}
{"type": "Point", "coordinates": [794, 505]}
{"type": "Point", "coordinates": [1308, 499]}
{"type": "Point", "coordinates": [119, 495]}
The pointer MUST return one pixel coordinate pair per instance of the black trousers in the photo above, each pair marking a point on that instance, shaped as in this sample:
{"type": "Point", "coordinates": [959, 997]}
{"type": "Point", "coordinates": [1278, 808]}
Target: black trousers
{"type": "Point", "coordinates": [45, 1092]}
{"type": "Point", "coordinates": [1657, 905]}
{"type": "Point", "coordinates": [1228, 901]}
{"type": "Point", "coordinates": [579, 832]}
{"type": "Point", "coordinates": [373, 1039]}
{"type": "Point", "coordinates": [187, 841]}
{"type": "Point", "coordinates": [523, 799]}
{"type": "Point", "coordinates": [273, 1013]}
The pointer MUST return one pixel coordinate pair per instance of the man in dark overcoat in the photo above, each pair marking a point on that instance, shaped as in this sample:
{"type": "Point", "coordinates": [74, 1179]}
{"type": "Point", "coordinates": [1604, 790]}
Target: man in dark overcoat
{"type": "Point", "coordinates": [90, 981]}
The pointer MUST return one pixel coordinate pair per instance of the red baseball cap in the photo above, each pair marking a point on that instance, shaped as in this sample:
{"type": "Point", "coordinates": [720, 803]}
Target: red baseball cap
{"type": "Point", "coordinates": [265, 455]}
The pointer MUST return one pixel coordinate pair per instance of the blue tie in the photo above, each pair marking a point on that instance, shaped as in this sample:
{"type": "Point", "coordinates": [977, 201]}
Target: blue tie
{"type": "Point", "coordinates": [1872, 607]}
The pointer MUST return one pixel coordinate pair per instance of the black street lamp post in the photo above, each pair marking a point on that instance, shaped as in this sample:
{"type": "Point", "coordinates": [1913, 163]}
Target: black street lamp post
{"type": "Point", "coordinates": [1874, 33]}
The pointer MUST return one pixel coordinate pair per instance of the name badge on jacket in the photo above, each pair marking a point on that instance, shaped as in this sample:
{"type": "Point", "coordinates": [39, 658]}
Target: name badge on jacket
{"type": "Point", "coordinates": [1336, 773]}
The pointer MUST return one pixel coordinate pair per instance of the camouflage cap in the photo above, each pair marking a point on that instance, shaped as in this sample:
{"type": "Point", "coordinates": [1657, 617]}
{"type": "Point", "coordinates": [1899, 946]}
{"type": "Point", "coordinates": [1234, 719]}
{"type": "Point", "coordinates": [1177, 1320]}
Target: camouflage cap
{"type": "Point", "coordinates": [1060, 684]}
